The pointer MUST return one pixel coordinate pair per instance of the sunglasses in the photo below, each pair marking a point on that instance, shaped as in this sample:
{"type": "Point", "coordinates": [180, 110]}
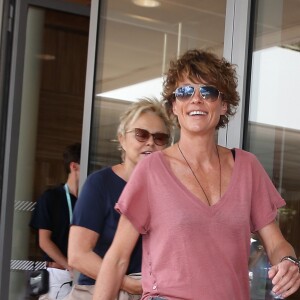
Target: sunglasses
{"type": "Point", "coordinates": [143, 135]}
{"type": "Point", "coordinates": [207, 92]}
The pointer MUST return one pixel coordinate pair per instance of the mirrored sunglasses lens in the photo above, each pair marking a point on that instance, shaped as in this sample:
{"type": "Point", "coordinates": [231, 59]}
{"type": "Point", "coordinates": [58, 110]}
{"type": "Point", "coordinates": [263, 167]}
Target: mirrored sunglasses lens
{"type": "Point", "coordinates": [184, 92]}
{"type": "Point", "coordinates": [161, 139]}
{"type": "Point", "coordinates": [141, 135]}
{"type": "Point", "coordinates": [209, 93]}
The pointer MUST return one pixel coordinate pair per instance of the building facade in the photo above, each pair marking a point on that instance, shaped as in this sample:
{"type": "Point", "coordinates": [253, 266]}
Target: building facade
{"type": "Point", "coordinates": [69, 68]}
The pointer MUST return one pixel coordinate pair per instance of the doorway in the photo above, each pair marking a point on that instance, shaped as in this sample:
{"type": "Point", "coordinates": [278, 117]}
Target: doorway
{"type": "Point", "coordinates": [51, 113]}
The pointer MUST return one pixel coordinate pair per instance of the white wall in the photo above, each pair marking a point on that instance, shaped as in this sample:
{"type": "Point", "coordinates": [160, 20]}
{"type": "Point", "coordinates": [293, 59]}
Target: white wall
{"type": "Point", "coordinates": [275, 96]}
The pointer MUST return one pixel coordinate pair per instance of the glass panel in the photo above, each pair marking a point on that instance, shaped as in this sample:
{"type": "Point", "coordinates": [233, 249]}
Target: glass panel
{"type": "Point", "coordinates": [273, 129]}
{"type": "Point", "coordinates": [84, 2]}
{"type": "Point", "coordinates": [51, 118]}
{"type": "Point", "coordinates": [135, 44]}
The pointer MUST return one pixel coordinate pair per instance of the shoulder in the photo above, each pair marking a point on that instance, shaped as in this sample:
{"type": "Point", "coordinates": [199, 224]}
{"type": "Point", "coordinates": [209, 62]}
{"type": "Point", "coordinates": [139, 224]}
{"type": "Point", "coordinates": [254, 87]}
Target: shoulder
{"type": "Point", "coordinates": [249, 161]}
{"type": "Point", "coordinates": [147, 166]}
{"type": "Point", "coordinates": [244, 153]}
{"type": "Point", "coordinates": [50, 199]}
{"type": "Point", "coordinates": [246, 156]}
{"type": "Point", "coordinates": [151, 161]}
{"type": "Point", "coordinates": [106, 171]}
{"type": "Point", "coordinates": [52, 193]}
{"type": "Point", "coordinates": [154, 156]}
{"type": "Point", "coordinates": [99, 175]}
{"type": "Point", "coordinates": [99, 182]}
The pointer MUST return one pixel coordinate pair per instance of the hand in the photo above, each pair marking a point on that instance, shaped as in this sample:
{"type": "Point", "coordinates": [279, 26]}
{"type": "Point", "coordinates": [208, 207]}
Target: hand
{"type": "Point", "coordinates": [69, 268]}
{"type": "Point", "coordinates": [132, 286]}
{"type": "Point", "coordinates": [71, 271]}
{"type": "Point", "coordinates": [285, 278]}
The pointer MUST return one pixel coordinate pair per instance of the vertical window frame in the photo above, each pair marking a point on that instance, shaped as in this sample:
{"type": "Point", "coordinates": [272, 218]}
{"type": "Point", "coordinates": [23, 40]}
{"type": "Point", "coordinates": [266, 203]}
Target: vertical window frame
{"type": "Point", "coordinates": [236, 51]}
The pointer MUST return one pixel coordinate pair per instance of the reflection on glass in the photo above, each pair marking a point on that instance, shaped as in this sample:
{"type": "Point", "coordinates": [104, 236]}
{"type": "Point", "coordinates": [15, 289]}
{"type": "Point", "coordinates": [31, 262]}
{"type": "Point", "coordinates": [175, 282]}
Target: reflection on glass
{"type": "Point", "coordinates": [273, 129]}
{"type": "Point", "coordinates": [135, 45]}
{"type": "Point", "coordinates": [50, 119]}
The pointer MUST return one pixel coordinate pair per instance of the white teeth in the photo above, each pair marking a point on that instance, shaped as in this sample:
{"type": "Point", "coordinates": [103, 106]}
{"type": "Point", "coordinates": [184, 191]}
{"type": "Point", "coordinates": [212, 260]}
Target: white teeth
{"type": "Point", "coordinates": [147, 152]}
{"type": "Point", "coordinates": [197, 112]}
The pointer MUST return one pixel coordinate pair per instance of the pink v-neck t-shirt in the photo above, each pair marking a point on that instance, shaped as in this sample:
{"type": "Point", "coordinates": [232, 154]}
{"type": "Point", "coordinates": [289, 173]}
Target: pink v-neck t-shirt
{"type": "Point", "coordinates": [192, 251]}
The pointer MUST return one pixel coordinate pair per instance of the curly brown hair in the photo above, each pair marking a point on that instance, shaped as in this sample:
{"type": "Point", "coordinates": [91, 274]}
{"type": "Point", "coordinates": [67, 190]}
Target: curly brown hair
{"type": "Point", "coordinates": [200, 65]}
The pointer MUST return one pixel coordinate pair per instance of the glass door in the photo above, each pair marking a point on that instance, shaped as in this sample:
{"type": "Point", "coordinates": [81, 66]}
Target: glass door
{"type": "Point", "coordinates": [273, 128]}
{"type": "Point", "coordinates": [135, 42]}
{"type": "Point", "coordinates": [50, 82]}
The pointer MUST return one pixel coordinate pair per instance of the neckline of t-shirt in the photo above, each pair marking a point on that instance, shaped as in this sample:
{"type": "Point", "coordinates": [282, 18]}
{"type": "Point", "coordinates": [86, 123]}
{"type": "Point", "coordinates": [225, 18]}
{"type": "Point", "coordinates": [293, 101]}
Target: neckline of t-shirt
{"type": "Point", "coordinates": [190, 194]}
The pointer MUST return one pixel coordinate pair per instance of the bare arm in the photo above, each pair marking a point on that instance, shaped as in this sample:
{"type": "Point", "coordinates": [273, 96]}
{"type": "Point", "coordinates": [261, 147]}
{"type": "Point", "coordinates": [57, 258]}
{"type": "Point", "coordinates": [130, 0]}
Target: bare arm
{"type": "Point", "coordinates": [115, 262]}
{"type": "Point", "coordinates": [285, 275]}
{"type": "Point", "coordinates": [51, 249]}
{"type": "Point", "coordinates": [81, 256]}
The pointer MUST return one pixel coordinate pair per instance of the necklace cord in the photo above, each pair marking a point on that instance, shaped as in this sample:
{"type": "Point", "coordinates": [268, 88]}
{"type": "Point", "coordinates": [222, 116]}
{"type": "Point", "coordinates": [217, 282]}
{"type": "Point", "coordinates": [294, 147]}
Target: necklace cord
{"type": "Point", "coordinates": [220, 184]}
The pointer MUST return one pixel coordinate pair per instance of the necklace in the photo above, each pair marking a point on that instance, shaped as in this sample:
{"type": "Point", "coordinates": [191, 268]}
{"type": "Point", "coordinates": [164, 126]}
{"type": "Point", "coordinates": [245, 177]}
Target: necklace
{"type": "Point", "coordinates": [196, 176]}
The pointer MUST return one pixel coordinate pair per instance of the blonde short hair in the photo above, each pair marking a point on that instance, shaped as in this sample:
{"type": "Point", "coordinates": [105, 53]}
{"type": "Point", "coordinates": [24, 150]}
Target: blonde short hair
{"type": "Point", "coordinates": [143, 105]}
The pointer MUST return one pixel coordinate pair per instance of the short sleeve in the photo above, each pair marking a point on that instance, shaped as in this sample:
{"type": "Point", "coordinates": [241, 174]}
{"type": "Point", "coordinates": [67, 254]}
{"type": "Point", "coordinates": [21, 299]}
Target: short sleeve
{"type": "Point", "coordinates": [90, 208]}
{"type": "Point", "coordinates": [133, 202]}
{"type": "Point", "coordinates": [265, 198]}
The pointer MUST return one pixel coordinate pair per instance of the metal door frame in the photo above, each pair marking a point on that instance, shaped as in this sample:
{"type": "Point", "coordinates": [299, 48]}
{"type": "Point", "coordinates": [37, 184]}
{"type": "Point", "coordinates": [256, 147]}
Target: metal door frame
{"type": "Point", "coordinates": [18, 12]}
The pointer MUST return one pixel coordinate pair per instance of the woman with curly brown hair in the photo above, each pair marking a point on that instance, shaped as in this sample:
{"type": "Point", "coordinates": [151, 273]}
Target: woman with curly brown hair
{"type": "Point", "coordinates": [196, 203]}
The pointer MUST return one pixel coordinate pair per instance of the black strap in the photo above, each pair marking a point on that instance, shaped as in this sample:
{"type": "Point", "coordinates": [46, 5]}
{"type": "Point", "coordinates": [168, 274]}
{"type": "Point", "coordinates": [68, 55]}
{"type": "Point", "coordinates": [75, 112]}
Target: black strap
{"type": "Point", "coordinates": [233, 153]}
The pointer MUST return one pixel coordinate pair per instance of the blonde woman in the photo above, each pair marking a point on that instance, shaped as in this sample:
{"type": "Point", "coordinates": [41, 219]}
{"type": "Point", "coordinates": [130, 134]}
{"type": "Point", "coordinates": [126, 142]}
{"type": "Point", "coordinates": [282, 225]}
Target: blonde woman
{"type": "Point", "coordinates": [144, 128]}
